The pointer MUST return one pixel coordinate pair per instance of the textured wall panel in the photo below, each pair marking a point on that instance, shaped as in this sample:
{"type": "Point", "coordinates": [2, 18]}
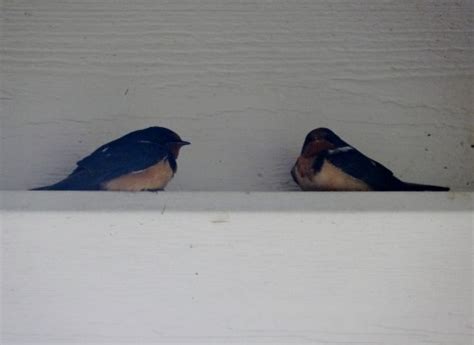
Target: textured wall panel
{"type": "Point", "coordinates": [243, 80]}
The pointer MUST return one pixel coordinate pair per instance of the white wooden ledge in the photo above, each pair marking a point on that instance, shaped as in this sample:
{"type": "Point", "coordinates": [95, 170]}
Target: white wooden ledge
{"type": "Point", "coordinates": [239, 268]}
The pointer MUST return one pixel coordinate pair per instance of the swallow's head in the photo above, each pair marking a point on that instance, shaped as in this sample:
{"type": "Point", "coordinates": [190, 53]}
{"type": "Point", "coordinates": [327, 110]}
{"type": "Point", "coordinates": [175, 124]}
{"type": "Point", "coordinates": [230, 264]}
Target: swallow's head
{"type": "Point", "coordinates": [159, 135]}
{"type": "Point", "coordinates": [320, 139]}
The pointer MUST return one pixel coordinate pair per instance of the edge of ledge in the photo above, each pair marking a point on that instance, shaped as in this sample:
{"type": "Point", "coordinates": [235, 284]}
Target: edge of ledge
{"type": "Point", "coordinates": [48, 201]}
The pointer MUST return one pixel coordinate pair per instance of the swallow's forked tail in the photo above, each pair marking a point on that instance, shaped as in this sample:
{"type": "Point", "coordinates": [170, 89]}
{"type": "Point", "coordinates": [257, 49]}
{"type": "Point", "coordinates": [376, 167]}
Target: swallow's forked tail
{"type": "Point", "coordinates": [415, 187]}
{"type": "Point", "coordinates": [81, 180]}
{"type": "Point", "coordinates": [56, 186]}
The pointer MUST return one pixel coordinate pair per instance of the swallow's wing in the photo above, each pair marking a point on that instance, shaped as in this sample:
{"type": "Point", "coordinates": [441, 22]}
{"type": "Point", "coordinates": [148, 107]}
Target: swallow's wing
{"type": "Point", "coordinates": [119, 159]}
{"type": "Point", "coordinates": [358, 165]}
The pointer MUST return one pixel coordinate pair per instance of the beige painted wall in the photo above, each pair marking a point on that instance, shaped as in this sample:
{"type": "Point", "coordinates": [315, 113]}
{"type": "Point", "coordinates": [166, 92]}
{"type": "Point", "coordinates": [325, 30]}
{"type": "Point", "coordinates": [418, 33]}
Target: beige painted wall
{"type": "Point", "coordinates": [244, 81]}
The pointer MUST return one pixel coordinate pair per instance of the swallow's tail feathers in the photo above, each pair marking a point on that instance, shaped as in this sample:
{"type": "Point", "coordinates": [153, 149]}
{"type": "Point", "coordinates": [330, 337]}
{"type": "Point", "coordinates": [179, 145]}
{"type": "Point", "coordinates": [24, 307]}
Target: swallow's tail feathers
{"type": "Point", "coordinates": [415, 187]}
{"type": "Point", "coordinates": [42, 188]}
{"type": "Point", "coordinates": [57, 186]}
{"type": "Point", "coordinates": [81, 180]}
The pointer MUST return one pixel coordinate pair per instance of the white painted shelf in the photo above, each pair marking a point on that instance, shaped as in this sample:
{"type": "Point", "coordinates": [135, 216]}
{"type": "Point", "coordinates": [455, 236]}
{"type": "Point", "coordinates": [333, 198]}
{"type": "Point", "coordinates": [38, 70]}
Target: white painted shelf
{"type": "Point", "coordinates": [238, 268]}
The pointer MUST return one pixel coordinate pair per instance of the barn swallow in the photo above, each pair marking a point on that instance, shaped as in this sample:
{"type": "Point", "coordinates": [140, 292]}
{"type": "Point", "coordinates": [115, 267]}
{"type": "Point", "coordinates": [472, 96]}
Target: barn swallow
{"type": "Point", "coordinates": [143, 160]}
{"type": "Point", "coordinates": [327, 163]}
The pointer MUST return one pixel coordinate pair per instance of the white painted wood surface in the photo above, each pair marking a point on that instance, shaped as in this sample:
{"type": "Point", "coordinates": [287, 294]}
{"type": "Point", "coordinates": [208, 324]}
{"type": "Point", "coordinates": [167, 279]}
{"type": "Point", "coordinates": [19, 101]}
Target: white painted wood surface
{"type": "Point", "coordinates": [237, 268]}
{"type": "Point", "coordinates": [243, 80]}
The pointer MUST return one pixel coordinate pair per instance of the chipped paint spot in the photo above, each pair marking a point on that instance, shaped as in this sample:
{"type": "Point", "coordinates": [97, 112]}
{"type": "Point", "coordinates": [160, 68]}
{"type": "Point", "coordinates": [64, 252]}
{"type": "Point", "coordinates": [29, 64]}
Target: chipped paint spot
{"type": "Point", "coordinates": [217, 221]}
{"type": "Point", "coordinates": [220, 218]}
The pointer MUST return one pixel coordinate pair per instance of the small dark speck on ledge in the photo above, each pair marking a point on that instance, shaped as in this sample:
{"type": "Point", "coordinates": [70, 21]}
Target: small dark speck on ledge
{"type": "Point", "coordinates": [426, 149]}
{"type": "Point", "coordinates": [445, 167]}
{"type": "Point", "coordinates": [260, 175]}
{"type": "Point", "coordinates": [126, 92]}
{"type": "Point", "coordinates": [428, 135]}
{"type": "Point", "coordinates": [472, 146]}
{"type": "Point", "coordinates": [196, 274]}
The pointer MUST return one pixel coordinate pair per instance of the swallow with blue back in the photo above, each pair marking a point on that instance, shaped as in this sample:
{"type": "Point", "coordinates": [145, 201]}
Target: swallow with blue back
{"type": "Point", "coordinates": [143, 160]}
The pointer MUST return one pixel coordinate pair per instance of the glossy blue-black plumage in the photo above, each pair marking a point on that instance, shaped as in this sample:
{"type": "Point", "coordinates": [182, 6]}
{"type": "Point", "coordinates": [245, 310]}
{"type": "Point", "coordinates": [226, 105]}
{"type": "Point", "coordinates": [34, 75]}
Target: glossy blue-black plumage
{"type": "Point", "coordinates": [133, 152]}
{"type": "Point", "coordinates": [357, 165]}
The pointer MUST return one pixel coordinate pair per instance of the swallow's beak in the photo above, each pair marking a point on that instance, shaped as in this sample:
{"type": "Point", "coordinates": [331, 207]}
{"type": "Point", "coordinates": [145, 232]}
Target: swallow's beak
{"type": "Point", "coordinates": [175, 146]}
